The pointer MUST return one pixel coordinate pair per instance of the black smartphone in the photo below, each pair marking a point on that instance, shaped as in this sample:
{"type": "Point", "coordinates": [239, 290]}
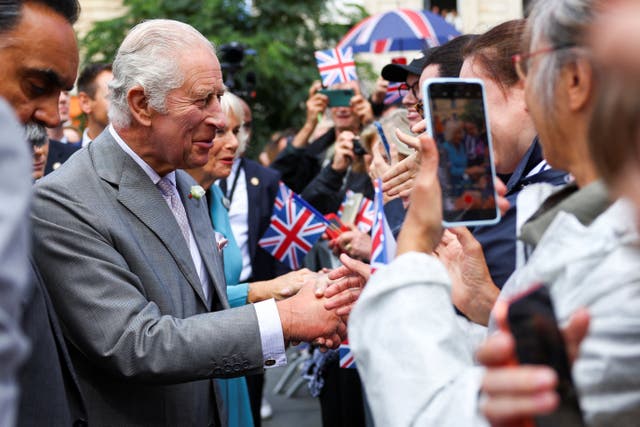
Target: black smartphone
{"type": "Point", "coordinates": [338, 97]}
{"type": "Point", "coordinates": [456, 117]}
{"type": "Point", "coordinates": [533, 324]}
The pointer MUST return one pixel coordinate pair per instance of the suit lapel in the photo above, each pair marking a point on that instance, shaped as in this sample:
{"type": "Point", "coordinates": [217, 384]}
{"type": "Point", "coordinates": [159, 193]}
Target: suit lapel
{"type": "Point", "coordinates": [138, 194]}
{"type": "Point", "coordinates": [200, 221]}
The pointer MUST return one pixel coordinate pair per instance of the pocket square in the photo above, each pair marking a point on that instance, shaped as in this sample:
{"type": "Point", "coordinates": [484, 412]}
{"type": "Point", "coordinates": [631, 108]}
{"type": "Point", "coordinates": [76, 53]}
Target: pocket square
{"type": "Point", "coordinates": [221, 241]}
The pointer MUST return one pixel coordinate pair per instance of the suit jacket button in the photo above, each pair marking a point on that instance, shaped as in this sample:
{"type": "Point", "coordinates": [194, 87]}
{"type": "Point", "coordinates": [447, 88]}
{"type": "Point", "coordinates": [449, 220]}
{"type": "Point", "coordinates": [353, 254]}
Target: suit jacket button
{"type": "Point", "coordinates": [269, 362]}
{"type": "Point", "coordinates": [80, 423]}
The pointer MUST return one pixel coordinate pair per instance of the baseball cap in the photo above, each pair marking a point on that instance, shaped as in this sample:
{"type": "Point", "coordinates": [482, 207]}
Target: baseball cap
{"type": "Point", "coordinates": [399, 72]}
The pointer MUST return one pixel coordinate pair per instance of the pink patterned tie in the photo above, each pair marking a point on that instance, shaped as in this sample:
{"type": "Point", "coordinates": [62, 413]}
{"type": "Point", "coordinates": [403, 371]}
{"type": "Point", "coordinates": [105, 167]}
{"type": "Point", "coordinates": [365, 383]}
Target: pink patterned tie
{"type": "Point", "coordinates": [169, 192]}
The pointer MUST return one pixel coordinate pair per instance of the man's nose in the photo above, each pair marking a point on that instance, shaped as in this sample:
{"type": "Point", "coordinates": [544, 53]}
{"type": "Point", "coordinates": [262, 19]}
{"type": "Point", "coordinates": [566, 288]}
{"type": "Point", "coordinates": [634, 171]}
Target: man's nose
{"type": "Point", "coordinates": [46, 112]}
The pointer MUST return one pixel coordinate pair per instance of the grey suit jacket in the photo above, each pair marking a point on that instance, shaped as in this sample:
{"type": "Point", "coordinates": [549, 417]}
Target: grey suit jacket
{"type": "Point", "coordinates": [15, 191]}
{"type": "Point", "coordinates": [130, 303]}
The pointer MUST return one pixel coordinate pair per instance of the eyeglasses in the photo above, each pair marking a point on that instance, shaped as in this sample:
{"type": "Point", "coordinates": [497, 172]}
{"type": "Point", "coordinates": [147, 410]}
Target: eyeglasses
{"type": "Point", "coordinates": [404, 89]}
{"type": "Point", "coordinates": [521, 61]}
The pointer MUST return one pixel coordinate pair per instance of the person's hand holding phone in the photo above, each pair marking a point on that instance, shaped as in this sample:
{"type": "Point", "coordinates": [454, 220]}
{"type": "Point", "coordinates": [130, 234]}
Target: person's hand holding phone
{"type": "Point", "coordinates": [514, 394]}
{"type": "Point", "coordinates": [343, 155]}
{"type": "Point", "coordinates": [316, 103]}
{"type": "Point", "coordinates": [422, 228]}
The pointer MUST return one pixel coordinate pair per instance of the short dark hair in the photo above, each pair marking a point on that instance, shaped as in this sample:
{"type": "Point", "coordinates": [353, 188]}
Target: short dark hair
{"type": "Point", "coordinates": [495, 48]}
{"type": "Point", "coordinates": [11, 11]}
{"type": "Point", "coordinates": [87, 79]}
{"type": "Point", "coordinates": [449, 56]}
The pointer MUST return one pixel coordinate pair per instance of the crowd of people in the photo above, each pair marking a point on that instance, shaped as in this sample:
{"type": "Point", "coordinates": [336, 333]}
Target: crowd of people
{"type": "Point", "coordinates": [133, 290]}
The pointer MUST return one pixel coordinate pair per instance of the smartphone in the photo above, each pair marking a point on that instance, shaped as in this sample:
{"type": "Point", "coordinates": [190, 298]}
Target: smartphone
{"type": "Point", "coordinates": [529, 317]}
{"type": "Point", "coordinates": [338, 97]}
{"type": "Point", "coordinates": [456, 117]}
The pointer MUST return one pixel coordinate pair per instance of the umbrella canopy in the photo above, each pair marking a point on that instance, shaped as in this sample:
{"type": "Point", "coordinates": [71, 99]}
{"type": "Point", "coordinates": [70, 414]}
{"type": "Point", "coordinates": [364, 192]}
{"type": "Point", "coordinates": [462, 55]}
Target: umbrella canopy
{"type": "Point", "coordinates": [397, 30]}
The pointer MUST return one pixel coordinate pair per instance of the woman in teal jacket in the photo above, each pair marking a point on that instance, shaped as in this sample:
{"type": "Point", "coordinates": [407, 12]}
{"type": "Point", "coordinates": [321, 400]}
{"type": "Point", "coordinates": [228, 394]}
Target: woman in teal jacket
{"type": "Point", "coordinates": [225, 146]}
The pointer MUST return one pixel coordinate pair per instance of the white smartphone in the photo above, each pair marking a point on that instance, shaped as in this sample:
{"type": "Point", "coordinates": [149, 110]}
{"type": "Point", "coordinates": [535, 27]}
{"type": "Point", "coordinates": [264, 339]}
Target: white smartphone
{"type": "Point", "coordinates": [456, 117]}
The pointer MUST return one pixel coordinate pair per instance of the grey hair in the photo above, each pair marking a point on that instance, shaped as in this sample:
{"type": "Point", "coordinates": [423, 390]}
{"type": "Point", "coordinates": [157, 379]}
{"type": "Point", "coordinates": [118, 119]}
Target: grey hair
{"type": "Point", "coordinates": [36, 134]}
{"type": "Point", "coordinates": [232, 105]}
{"type": "Point", "coordinates": [561, 24]}
{"type": "Point", "coordinates": [149, 57]}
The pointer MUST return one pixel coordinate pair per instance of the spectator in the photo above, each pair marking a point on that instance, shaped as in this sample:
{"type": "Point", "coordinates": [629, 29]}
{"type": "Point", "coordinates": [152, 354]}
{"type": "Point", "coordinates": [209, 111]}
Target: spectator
{"type": "Point", "coordinates": [583, 247]}
{"type": "Point", "coordinates": [301, 161]}
{"type": "Point", "coordinates": [93, 89]}
{"type": "Point", "coordinates": [39, 141]}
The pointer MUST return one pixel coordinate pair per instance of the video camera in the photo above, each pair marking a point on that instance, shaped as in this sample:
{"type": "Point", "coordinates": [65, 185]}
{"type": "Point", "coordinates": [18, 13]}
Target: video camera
{"type": "Point", "coordinates": [232, 55]}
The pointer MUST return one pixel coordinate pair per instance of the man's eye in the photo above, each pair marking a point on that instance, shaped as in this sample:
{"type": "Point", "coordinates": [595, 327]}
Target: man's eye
{"type": "Point", "coordinates": [220, 131]}
{"type": "Point", "coordinates": [37, 90]}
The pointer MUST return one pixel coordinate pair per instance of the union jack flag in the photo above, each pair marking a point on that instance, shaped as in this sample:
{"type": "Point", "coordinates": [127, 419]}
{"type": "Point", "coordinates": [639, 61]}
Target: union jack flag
{"type": "Point", "coordinates": [346, 356]}
{"type": "Point", "coordinates": [284, 193]}
{"type": "Point", "coordinates": [383, 245]}
{"type": "Point", "coordinates": [336, 66]}
{"type": "Point", "coordinates": [393, 92]}
{"type": "Point", "coordinates": [366, 215]}
{"type": "Point", "coordinates": [294, 229]}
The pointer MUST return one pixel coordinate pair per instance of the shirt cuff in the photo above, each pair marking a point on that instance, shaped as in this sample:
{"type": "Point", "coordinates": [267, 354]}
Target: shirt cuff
{"type": "Point", "coordinates": [271, 334]}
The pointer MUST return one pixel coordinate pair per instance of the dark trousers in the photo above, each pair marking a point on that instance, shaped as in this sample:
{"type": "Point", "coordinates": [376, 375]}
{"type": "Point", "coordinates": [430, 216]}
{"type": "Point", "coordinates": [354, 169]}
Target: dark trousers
{"type": "Point", "coordinates": [341, 399]}
{"type": "Point", "coordinates": [255, 384]}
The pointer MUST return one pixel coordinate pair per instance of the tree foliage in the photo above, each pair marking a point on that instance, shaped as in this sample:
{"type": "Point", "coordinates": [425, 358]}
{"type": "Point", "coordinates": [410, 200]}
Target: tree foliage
{"type": "Point", "coordinates": [283, 33]}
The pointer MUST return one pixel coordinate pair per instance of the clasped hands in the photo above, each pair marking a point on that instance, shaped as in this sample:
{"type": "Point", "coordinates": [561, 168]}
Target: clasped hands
{"type": "Point", "coordinates": [319, 311]}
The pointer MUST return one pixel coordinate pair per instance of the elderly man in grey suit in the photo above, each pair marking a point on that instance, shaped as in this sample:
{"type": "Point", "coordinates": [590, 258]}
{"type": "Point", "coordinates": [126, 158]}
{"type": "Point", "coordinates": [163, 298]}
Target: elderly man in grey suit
{"type": "Point", "coordinates": [126, 249]}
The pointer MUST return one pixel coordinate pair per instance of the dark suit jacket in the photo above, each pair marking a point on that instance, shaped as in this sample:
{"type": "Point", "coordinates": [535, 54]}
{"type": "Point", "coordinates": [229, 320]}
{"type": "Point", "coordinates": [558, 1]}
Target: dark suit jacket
{"type": "Point", "coordinates": [49, 391]}
{"type": "Point", "coordinates": [141, 336]}
{"type": "Point", "coordinates": [59, 152]}
{"type": "Point", "coordinates": [262, 187]}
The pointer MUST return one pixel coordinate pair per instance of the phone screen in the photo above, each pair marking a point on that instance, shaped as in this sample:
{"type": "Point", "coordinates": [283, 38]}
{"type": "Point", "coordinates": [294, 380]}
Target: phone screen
{"type": "Point", "coordinates": [458, 123]}
{"type": "Point", "coordinates": [538, 341]}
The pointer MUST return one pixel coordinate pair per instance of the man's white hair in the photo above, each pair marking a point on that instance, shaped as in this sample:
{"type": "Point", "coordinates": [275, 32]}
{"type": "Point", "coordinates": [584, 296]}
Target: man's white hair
{"type": "Point", "coordinates": [149, 57]}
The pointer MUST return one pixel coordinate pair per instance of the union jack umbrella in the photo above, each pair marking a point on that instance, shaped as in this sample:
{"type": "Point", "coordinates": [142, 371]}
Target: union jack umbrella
{"type": "Point", "coordinates": [383, 245]}
{"type": "Point", "coordinates": [294, 229]}
{"type": "Point", "coordinates": [336, 66]}
{"type": "Point", "coordinates": [397, 30]}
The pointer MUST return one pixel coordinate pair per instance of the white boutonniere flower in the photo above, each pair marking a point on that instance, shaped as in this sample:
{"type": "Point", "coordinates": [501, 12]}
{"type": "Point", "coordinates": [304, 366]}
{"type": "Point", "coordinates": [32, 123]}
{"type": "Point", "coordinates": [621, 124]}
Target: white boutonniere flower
{"type": "Point", "coordinates": [196, 192]}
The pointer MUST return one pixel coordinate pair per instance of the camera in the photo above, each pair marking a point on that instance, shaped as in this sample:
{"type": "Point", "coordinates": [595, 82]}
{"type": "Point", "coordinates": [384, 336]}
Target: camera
{"type": "Point", "coordinates": [232, 56]}
{"type": "Point", "coordinates": [358, 149]}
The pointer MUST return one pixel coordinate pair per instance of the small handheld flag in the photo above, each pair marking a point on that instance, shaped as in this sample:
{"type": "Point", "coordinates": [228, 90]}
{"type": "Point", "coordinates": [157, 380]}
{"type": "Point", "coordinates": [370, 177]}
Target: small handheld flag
{"type": "Point", "coordinates": [294, 229]}
{"type": "Point", "coordinates": [336, 66]}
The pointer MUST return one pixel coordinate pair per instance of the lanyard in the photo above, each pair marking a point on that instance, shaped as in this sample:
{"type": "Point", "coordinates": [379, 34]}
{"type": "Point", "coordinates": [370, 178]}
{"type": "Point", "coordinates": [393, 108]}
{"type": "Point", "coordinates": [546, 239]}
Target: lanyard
{"type": "Point", "coordinates": [226, 200]}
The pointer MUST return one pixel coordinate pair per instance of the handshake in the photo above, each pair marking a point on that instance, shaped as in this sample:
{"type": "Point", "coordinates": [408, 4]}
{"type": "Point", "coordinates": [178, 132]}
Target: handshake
{"type": "Point", "coordinates": [319, 311]}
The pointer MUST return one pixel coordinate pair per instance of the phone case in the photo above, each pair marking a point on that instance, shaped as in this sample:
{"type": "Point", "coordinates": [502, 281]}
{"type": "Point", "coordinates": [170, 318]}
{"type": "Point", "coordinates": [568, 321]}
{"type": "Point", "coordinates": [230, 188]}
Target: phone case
{"type": "Point", "coordinates": [428, 113]}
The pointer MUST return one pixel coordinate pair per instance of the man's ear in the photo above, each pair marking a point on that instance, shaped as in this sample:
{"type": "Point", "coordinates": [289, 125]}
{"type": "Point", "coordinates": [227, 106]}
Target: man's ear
{"type": "Point", "coordinates": [85, 102]}
{"type": "Point", "coordinates": [139, 106]}
{"type": "Point", "coordinates": [579, 77]}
